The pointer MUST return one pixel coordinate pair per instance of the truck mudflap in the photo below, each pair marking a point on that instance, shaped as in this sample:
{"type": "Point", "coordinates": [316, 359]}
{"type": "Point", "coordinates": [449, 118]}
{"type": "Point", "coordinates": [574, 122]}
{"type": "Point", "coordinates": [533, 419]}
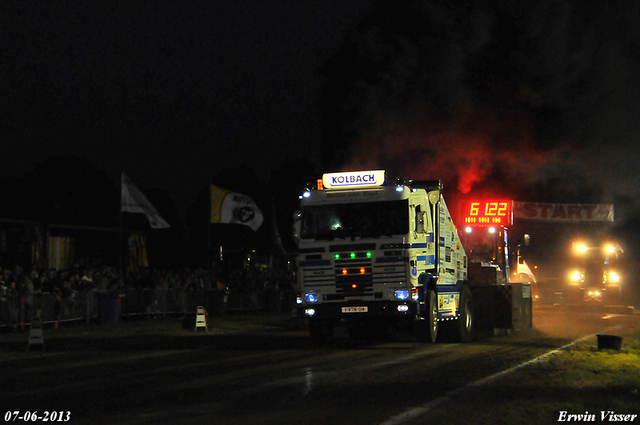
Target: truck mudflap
{"type": "Point", "coordinates": [503, 309]}
{"type": "Point", "coordinates": [358, 310]}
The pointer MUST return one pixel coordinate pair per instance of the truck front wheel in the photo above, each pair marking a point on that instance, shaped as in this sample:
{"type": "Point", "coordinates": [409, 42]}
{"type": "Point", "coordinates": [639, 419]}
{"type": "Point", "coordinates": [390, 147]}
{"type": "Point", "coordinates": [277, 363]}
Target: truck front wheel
{"type": "Point", "coordinates": [427, 330]}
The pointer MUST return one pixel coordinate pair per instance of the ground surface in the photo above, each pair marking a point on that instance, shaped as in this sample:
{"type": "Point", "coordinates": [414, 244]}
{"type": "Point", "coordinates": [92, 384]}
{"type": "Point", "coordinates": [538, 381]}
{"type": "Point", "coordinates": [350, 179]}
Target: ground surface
{"type": "Point", "coordinates": [159, 373]}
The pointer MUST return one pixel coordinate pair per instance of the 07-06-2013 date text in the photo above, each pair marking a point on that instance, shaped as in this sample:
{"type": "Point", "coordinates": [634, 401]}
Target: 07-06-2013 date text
{"type": "Point", "coordinates": [46, 416]}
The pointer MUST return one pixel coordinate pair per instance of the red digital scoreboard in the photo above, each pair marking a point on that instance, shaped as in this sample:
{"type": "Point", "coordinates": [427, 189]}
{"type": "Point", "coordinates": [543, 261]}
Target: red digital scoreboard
{"type": "Point", "coordinates": [487, 213]}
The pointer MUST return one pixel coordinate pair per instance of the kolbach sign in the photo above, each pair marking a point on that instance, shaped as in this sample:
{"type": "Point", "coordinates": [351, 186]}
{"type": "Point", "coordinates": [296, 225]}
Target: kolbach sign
{"type": "Point", "coordinates": [566, 213]}
{"type": "Point", "coordinates": [355, 179]}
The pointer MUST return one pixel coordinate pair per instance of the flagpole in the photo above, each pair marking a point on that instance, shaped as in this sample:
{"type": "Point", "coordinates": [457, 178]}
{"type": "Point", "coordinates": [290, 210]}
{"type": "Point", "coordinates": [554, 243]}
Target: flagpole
{"type": "Point", "coordinates": [120, 219]}
{"type": "Point", "coordinates": [209, 256]}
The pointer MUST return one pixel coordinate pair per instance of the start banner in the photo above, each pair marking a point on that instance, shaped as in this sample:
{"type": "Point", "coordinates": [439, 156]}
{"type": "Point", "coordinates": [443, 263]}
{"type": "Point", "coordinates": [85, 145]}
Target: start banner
{"type": "Point", "coordinates": [576, 213]}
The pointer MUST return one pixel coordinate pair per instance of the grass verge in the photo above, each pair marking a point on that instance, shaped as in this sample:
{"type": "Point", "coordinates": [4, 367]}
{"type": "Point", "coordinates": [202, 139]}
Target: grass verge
{"type": "Point", "coordinates": [578, 380]}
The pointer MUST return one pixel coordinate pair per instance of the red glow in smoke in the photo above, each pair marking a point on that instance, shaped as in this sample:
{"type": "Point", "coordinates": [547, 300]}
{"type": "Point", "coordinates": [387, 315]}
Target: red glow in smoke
{"type": "Point", "coordinates": [465, 152]}
{"type": "Point", "coordinates": [474, 162]}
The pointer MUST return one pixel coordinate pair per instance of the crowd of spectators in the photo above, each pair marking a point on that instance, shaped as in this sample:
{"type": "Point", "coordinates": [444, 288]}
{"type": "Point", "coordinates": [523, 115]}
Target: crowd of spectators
{"type": "Point", "coordinates": [250, 288]}
{"type": "Point", "coordinates": [21, 290]}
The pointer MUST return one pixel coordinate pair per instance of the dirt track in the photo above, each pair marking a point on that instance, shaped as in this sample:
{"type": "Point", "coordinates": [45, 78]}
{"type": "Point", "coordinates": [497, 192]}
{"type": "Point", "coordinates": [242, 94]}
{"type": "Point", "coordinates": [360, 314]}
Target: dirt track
{"type": "Point", "coordinates": [271, 376]}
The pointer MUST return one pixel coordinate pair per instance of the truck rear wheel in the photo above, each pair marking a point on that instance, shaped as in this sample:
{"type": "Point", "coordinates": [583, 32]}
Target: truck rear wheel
{"type": "Point", "coordinates": [462, 329]}
{"type": "Point", "coordinates": [466, 322]}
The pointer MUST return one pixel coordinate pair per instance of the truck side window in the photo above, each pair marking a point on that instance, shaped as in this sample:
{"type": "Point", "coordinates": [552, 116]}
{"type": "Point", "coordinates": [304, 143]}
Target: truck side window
{"type": "Point", "coordinates": [419, 219]}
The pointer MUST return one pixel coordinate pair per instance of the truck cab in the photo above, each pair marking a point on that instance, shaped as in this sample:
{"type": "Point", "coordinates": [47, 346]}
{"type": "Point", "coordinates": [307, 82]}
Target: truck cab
{"type": "Point", "coordinates": [374, 255]}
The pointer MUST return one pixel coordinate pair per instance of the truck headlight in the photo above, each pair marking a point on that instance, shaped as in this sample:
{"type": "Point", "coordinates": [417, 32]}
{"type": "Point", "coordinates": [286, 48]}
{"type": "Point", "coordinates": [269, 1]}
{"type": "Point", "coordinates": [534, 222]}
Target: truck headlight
{"type": "Point", "coordinates": [310, 312]}
{"type": "Point", "coordinates": [576, 276]}
{"type": "Point", "coordinates": [614, 277]}
{"type": "Point", "coordinates": [311, 297]}
{"type": "Point", "coordinates": [402, 294]}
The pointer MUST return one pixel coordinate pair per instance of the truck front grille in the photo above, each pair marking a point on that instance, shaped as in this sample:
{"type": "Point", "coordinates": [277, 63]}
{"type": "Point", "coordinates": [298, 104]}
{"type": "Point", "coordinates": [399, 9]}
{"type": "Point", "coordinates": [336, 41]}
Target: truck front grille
{"type": "Point", "coordinates": [354, 277]}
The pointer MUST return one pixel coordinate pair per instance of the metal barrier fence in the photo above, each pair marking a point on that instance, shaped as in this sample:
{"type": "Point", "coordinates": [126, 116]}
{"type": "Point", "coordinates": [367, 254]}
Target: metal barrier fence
{"type": "Point", "coordinates": [108, 307]}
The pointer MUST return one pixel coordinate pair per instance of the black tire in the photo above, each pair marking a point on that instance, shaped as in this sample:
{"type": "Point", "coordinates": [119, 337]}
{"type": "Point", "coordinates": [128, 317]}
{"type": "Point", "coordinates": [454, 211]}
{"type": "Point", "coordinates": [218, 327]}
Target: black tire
{"type": "Point", "coordinates": [321, 331]}
{"type": "Point", "coordinates": [427, 330]}
{"type": "Point", "coordinates": [463, 328]}
{"type": "Point", "coordinates": [465, 325]}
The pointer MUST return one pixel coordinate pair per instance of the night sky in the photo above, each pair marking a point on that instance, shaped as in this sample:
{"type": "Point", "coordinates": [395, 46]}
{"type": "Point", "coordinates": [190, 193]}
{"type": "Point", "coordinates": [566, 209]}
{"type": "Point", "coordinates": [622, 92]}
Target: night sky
{"type": "Point", "coordinates": [169, 92]}
{"type": "Point", "coordinates": [542, 93]}
{"type": "Point", "coordinates": [541, 98]}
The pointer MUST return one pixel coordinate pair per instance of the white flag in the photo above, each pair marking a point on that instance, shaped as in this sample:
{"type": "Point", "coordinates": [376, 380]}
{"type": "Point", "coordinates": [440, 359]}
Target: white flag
{"type": "Point", "coordinates": [524, 272]}
{"type": "Point", "coordinates": [234, 208]}
{"type": "Point", "coordinates": [134, 201]}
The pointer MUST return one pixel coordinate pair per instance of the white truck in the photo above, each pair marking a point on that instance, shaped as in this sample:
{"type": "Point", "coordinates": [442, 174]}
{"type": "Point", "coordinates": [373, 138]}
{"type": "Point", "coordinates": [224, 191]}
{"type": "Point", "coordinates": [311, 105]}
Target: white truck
{"type": "Point", "coordinates": [376, 256]}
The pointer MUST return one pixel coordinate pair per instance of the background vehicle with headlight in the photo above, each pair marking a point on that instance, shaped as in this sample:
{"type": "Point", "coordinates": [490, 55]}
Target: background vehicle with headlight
{"type": "Point", "coordinates": [595, 275]}
{"type": "Point", "coordinates": [376, 257]}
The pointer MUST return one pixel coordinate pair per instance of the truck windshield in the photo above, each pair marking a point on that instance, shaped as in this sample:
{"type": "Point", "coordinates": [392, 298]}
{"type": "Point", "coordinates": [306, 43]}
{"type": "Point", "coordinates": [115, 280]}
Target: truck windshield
{"type": "Point", "coordinates": [481, 245]}
{"type": "Point", "coordinates": [365, 220]}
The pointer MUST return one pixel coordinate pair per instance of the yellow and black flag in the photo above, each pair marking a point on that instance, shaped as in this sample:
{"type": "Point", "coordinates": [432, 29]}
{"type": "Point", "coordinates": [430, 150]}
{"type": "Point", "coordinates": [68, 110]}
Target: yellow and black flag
{"type": "Point", "coordinates": [234, 208]}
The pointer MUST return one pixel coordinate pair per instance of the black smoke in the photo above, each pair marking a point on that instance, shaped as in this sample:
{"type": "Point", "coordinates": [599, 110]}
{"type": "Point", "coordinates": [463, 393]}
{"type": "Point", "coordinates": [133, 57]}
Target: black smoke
{"type": "Point", "coordinates": [533, 100]}
{"type": "Point", "coordinates": [542, 92]}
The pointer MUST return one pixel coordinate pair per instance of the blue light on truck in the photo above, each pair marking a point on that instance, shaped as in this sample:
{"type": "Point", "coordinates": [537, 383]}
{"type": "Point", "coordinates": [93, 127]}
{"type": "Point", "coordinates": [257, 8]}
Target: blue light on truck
{"type": "Point", "coordinates": [310, 297]}
{"type": "Point", "coordinates": [402, 294]}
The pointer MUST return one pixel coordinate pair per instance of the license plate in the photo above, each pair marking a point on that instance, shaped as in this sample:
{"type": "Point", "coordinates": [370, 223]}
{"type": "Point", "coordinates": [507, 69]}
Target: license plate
{"type": "Point", "coordinates": [362, 309]}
